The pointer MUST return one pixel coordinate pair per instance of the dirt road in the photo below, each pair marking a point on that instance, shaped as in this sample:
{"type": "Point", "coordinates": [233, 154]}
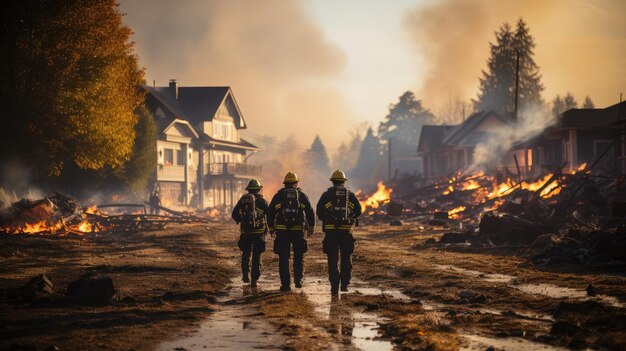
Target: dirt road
{"type": "Point", "coordinates": [180, 289]}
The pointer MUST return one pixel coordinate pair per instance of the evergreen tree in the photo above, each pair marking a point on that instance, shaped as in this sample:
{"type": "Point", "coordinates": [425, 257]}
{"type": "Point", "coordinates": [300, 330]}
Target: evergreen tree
{"type": "Point", "coordinates": [497, 84]}
{"type": "Point", "coordinates": [569, 102]}
{"type": "Point", "coordinates": [317, 156]}
{"type": "Point", "coordinates": [348, 153]}
{"type": "Point", "coordinates": [139, 170]}
{"type": "Point", "coordinates": [69, 85]}
{"type": "Point", "coordinates": [403, 125]}
{"type": "Point", "coordinates": [558, 106]}
{"type": "Point", "coordinates": [588, 103]}
{"type": "Point", "coordinates": [370, 161]}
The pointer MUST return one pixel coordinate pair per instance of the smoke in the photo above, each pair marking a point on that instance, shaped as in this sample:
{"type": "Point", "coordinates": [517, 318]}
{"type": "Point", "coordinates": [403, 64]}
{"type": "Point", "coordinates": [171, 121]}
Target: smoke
{"type": "Point", "coordinates": [578, 46]}
{"type": "Point", "coordinates": [16, 184]}
{"type": "Point", "coordinates": [499, 141]}
{"type": "Point", "coordinates": [277, 61]}
{"type": "Point", "coordinates": [440, 32]}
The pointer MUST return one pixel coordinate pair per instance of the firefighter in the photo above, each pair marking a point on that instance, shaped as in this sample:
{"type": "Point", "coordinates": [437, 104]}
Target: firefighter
{"type": "Point", "coordinates": [155, 200]}
{"type": "Point", "coordinates": [338, 209]}
{"type": "Point", "coordinates": [289, 215]}
{"type": "Point", "coordinates": [250, 212]}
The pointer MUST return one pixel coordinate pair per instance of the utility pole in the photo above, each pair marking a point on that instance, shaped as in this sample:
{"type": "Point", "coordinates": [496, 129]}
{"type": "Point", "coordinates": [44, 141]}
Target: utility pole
{"type": "Point", "coordinates": [516, 82]}
{"type": "Point", "coordinates": [389, 160]}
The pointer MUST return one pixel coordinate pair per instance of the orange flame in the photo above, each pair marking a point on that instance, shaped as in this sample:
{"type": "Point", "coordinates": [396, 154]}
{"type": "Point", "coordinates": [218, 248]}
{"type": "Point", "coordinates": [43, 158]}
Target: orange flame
{"type": "Point", "coordinates": [455, 213]}
{"type": "Point", "coordinates": [380, 197]}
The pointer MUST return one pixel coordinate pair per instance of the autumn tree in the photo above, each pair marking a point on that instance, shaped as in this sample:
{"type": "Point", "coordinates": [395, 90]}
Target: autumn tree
{"type": "Point", "coordinates": [498, 81]}
{"type": "Point", "coordinates": [69, 85]}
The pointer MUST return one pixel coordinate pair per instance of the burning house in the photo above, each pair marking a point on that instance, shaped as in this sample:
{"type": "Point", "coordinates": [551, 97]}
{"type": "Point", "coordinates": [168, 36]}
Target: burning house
{"type": "Point", "coordinates": [445, 149]}
{"type": "Point", "coordinates": [578, 136]}
{"type": "Point", "coordinates": [202, 161]}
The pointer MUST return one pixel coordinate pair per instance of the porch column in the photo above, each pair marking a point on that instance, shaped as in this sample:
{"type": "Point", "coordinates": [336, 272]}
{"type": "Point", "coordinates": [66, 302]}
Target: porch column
{"type": "Point", "coordinates": [573, 146]}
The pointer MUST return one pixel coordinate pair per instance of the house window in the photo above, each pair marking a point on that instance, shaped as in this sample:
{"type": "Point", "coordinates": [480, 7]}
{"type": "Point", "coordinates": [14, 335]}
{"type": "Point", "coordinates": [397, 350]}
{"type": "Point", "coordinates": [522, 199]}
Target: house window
{"type": "Point", "coordinates": [168, 156]}
{"type": "Point", "coordinates": [223, 130]}
{"type": "Point", "coordinates": [180, 157]}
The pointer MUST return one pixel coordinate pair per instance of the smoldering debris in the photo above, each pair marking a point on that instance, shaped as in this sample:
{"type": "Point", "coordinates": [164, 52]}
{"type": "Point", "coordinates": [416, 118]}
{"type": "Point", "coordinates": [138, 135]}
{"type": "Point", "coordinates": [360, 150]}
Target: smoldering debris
{"type": "Point", "coordinates": [576, 217]}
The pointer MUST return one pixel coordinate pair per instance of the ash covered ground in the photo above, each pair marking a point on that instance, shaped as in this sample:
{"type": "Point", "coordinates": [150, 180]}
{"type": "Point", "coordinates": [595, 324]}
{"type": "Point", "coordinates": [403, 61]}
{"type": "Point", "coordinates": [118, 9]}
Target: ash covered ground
{"type": "Point", "coordinates": [180, 288]}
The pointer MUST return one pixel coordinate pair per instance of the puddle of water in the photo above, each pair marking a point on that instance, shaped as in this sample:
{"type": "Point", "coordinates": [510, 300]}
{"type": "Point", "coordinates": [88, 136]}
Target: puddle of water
{"type": "Point", "coordinates": [394, 294]}
{"type": "Point", "coordinates": [362, 327]}
{"type": "Point", "coordinates": [234, 327]}
{"type": "Point", "coordinates": [549, 290]}
{"type": "Point", "coordinates": [480, 343]}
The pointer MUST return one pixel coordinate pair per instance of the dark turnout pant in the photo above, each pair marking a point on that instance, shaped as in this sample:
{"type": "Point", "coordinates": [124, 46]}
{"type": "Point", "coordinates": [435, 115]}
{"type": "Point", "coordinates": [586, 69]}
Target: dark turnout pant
{"type": "Point", "coordinates": [285, 239]}
{"type": "Point", "coordinates": [338, 242]}
{"type": "Point", "coordinates": [251, 245]}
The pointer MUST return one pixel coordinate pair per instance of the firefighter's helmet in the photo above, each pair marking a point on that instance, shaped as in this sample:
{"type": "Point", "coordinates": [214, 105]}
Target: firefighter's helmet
{"type": "Point", "coordinates": [338, 175]}
{"type": "Point", "coordinates": [291, 177]}
{"type": "Point", "coordinates": [254, 184]}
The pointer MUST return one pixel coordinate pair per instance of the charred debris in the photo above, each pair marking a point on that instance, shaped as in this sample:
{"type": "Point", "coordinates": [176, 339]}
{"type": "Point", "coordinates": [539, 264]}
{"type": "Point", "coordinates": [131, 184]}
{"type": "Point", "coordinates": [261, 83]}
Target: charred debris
{"type": "Point", "coordinates": [59, 215]}
{"type": "Point", "coordinates": [574, 217]}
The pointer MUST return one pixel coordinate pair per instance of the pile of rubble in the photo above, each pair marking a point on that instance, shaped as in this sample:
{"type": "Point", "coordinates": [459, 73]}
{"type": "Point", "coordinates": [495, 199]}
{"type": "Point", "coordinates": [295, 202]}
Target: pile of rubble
{"type": "Point", "coordinates": [60, 215]}
{"type": "Point", "coordinates": [563, 217]}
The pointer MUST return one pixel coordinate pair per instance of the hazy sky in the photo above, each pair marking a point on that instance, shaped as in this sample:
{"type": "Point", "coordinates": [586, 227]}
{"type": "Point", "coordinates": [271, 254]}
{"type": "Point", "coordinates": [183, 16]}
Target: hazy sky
{"type": "Point", "coordinates": [320, 66]}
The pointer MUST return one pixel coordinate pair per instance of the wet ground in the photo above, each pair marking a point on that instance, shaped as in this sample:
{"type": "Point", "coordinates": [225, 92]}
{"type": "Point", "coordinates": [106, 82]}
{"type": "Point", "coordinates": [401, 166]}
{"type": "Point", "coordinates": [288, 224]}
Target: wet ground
{"type": "Point", "coordinates": [404, 295]}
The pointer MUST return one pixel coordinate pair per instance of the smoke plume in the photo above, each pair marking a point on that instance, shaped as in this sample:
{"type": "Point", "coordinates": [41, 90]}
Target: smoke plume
{"type": "Point", "coordinates": [579, 46]}
{"type": "Point", "coordinates": [277, 61]}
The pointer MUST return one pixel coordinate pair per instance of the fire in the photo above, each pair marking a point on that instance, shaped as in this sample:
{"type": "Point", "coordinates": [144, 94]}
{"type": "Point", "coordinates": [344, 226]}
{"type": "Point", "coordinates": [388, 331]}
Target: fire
{"type": "Point", "coordinates": [470, 185]}
{"type": "Point", "coordinates": [35, 228]}
{"type": "Point", "coordinates": [92, 210]}
{"type": "Point", "coordinates": [86, 227]}
{"type": "Point", "coordinates": [381, 196]}
{"type": "Point", "coordinates": [455, 212]}
{"type": "Point", "coordinates": [214, 213]}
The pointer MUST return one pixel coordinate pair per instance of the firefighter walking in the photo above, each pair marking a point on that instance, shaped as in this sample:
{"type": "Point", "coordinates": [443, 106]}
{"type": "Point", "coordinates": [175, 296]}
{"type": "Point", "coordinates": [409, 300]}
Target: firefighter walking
{"type": "Point", "coordinates": [338, 209]}
{"type": "Point", "coordinates": [289, 214]}
{"type": "Point", "coordinates": [250, 212]}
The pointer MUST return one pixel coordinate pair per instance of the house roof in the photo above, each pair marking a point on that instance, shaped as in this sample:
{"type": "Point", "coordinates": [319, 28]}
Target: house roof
{"type": "Point", "coordinates": [432, 137]}
{"type": "Point", "coordinates": [464, 133]}
{"type": "Point", "coordinates": [593, 117]}
{"type": "Point", "coordinates": [196, 105]}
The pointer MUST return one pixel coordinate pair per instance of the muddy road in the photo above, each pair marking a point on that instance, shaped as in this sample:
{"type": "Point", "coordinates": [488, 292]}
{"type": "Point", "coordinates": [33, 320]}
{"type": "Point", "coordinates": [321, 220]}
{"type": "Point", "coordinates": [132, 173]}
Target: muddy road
{"type": "Point", "coordinates": [180, 289]}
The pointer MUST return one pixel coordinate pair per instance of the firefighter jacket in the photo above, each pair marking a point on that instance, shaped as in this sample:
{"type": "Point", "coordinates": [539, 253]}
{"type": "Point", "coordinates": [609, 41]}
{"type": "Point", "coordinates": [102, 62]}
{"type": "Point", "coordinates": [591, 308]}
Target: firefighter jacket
{"type": "Point", "coordinates": [261, 211]}
{"type": "Point", "coordinates": [306, 215]}
{"type": "Point", "coordinates": [325, 211]}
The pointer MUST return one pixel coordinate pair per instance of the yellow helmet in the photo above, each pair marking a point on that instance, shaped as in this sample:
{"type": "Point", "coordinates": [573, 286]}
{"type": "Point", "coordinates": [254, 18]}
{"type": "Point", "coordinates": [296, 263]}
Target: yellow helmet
{"type": "Point", "coordinates": [338, 175]}
{"type": "Point", "coordinates": [291, 177]}
{"type": "Point", "coordinates": [254, 184]}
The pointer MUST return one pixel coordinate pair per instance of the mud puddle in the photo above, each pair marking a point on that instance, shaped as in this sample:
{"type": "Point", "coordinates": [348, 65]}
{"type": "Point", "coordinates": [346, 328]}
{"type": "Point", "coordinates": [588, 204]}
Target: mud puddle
{"type": "Point", "coordinates": [480, 343]}
{"type": "Point", "coordinates": [361, 328]}
{"type": "Point", "coordinates": [549, 290]}
{"type": "Point", "coordinates": [235, 326]}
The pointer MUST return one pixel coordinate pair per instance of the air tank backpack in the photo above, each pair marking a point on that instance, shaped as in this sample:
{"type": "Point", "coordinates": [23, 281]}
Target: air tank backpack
{"type": "Point", "coordinates": [249, 215]}
{"type": "Point", "coordinates": [291, 207]}
{"type": "Point", "coordinates": [340, 211]}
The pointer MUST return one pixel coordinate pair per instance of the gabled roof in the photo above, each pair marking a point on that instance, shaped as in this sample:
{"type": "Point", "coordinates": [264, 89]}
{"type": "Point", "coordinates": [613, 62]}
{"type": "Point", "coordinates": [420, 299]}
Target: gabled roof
{"type": "Point", "coordinates": [189, 127]}
{"type": "Point", "coordinates": [592, 117]}
{"type": "Point", "coordinates": [196, 104]}
{"type": "Point", "coordinates": [432, 137]}
{"type": "Point", "coordinates": [464, 133]}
